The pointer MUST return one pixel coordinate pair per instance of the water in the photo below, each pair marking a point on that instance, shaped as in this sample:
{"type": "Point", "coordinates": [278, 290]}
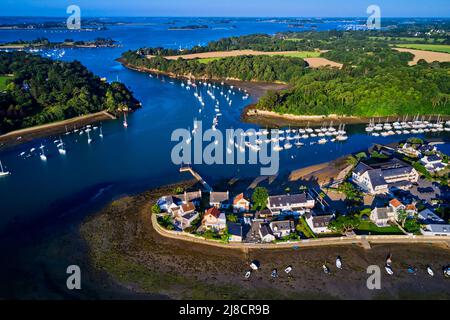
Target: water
{"type": "Point", "coordinates": [41, 195]}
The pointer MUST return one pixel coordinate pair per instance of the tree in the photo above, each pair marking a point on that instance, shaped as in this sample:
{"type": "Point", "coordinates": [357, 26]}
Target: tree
{"type": "Point", "coordinates": [353, 195]}
{"type": "Point", "coordinates": [233, 218]}
{"type": "Point", "coordinates": [260, 198]}
{"type": "Point", "coordinates": [402, 217]}
{"type": "Point", "coordinates": [345, 224]}
{"type": "Point", "coordinates": [156, 209]}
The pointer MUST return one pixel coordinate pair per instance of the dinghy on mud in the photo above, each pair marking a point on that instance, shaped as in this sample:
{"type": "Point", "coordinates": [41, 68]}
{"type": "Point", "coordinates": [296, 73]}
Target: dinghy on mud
{"type": "Point", "coordinates": [339, 264]}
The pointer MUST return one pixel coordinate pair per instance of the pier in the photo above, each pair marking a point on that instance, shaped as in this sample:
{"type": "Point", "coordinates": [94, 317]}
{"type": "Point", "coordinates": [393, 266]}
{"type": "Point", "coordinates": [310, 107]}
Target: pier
{"type": "Point", "coordinates": [198, 177]}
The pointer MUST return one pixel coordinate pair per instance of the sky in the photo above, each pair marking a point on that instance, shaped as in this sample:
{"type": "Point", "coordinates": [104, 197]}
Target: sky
{"type": "Point", "coordinates": [227, 8]}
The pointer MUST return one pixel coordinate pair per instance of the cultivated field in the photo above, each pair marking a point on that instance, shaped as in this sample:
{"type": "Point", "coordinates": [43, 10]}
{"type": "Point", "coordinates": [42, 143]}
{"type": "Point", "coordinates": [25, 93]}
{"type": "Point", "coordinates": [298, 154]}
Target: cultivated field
{"type": "Point", "coordinates": [428, 56]}
{"type": "Point", "coordinates": [427, 47]}
{"type": "Point", "coordinates": [312, 57]}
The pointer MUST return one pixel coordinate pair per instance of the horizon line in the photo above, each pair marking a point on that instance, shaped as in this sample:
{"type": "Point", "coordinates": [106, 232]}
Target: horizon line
{"type": "Point", "coordinates": [239, 17]}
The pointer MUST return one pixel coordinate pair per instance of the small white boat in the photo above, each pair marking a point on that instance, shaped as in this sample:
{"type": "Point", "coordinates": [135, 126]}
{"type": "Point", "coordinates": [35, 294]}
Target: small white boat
{"type": "Point", "coordinates": [339, 263]}
{"type": "Point", "coordinates": [248, 275]}
{"type": "Point", "coordinates": [389, 270]}
{"type": "Point", "coordinates": [430, 271]}
{"type": "Point", "coordinates": [288, 270]}
{"type": "Point", "coordinates": [323, 141]}
{"type": "Point", "coordinates": [3, 173]}
{"type": "Point", "coordinates": [254, 266]}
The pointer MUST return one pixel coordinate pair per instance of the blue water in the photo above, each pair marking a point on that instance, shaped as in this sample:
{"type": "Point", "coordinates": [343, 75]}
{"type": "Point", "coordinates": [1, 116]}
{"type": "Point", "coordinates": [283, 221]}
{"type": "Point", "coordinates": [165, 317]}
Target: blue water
{"type": "Point", "coordinates": [128, 161]}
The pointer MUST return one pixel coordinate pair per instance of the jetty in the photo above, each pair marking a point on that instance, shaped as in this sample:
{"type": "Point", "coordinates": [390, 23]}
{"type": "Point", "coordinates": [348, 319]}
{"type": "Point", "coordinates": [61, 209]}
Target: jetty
{"type": "Point", "coordinates": [197, 176]}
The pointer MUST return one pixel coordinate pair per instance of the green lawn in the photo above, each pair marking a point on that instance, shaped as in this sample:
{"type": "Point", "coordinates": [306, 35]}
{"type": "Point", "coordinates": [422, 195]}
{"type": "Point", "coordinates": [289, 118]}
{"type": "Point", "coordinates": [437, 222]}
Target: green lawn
{"type": "Point", "coordinates": [406, 39]}
{"type": "Point", "coordinates": [427, 47]}
{"type": "Point", "coordinates": [3, 80]}
{"type": "Point", "coordinates": [299, 54]}
{"type": "Point", "coordinates": [368, 227]}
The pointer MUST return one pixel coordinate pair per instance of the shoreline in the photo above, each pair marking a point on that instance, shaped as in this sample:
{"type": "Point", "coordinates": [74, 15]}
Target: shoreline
{"type": "Point", "coordinates": [270, 118]}
{"type": "Point", "coordinates": [20, 136]}
{"type": "Point", "coordinates": [256, 88]}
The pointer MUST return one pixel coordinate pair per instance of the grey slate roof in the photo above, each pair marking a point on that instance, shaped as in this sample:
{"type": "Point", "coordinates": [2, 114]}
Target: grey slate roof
{"type": "Point", "coordinates": [287, 225]}
{"type": "Point", "coordinates": [235, 229]}
{"type": "Point", "coordinates": [265, 229]}
{"type": "Point", "coordinates": [219, 197]}
{"type": "Point", "coordinates": [289, 200]}
{"type": "Point", "coordinates": [377, 178]}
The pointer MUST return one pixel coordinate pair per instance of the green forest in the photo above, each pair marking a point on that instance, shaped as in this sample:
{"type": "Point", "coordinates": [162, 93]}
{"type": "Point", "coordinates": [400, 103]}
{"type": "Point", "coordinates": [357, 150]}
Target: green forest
{"type": "Point", "coordinates": [376, 80]}
{"type": "Point", "coordinates": [246, 68]}
{"type": "Point", "coordinates": [39, 91]}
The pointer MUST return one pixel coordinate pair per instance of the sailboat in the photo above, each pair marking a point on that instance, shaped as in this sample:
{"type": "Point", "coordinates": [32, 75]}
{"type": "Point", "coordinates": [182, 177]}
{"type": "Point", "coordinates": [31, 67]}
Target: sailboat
{"type": "Point", "coordinates": [3, 173]}
{"type": "Point", "coordinates": [61, 149]}
{"type": "Point", "coordinates": [89, 138]}
{"type": "Point", "coordinates": [42, 155]}
{"type": "Point", "coordinates": [125, 122]}
{"type": "Point", "coordinates": [101, 132]}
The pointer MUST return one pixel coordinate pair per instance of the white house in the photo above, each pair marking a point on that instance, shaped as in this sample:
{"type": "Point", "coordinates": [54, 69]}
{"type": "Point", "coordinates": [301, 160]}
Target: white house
{"type": "Point", "coordinates": [241, 204]}
{"type": "Point", "coordinates": [266, 233]}
{"type": "Point", "coordinates": [281, 229]}
{"type": "Point", "coordinates": [301, 203]}
{"type": "Point", "coordinates": [186, 220]}
{"type": "Point", "coordinates": [382, 216]}
{"type": "Point", "coordinates": [436, 230]}
{"type": "Point", "coordinates": [319, 224]}
{"type": "Point", "coordinates": [235, 232]}
{"type": "Point", "coordinates": [433, 163]}
{"type": "Point", "coordinates": [379, 178]}
{"type": "Point", "coordinates": [220, 200]}
{"type": "Point", "coordinates": [214, 220]}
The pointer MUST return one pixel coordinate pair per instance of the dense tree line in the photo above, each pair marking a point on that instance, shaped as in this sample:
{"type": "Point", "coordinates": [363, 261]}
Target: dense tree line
{"type": "Point", "coordinates": [42, 91]}
{"type": "Point", "coordinates": [247, 68]}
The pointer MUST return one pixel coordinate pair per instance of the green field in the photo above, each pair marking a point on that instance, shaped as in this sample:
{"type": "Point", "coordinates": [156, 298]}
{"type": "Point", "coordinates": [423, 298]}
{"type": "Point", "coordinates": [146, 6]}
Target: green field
{"type": "Point", "coordinates": [299, 54]}
{"type": "Point", "coordinates": [405, 39]}
{"type": "Point", "coordinates": [427, 47]}
{"type": "Point", "coordinates": [3, 80]}
{"type": "Point", "coordinates": [367, 227]}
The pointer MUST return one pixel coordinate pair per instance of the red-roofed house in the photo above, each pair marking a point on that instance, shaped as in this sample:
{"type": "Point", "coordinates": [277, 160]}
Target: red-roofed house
{"type": "Point", "coordinates": [214, 220]}
{"type": "Point", "coordinates": [397, 205]}
{"type": "Point", "coordinates": [241, 204]}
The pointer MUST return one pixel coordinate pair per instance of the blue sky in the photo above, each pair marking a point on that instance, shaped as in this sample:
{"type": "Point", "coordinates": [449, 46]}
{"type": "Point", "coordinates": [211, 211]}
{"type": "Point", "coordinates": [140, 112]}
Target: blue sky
{"type": "Point", "coordinates": [229, 8]}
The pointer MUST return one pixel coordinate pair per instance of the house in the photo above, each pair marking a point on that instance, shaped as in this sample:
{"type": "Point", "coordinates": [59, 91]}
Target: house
{"type": "Point", "coordinates": [187, 208]}
{"type": "Point", "coordinates": [410, 150]}
{"type": "Point", "coordinates": [253, 234]}
{"type": "Point", "coordinates": [266, 233]}
{"type": "Point", "coordinates": [241, 204]}
{"type": "Point", "coordinates": [301, 203]}
{"type": "Point", "coordinates": [319, 223]}
{"type": "Point", "coordinates": [236, 232]}
{"type": "Point", "coordinates": [380, 177]}
{"type": "Point", "coordinates": [397, 205]}
{"type": "Point", "coordinates": [429, 217]}
{"type": "Point", "coordinates": [169, 203]}
{"type": "Point", "coordinates": [427, 149]}
{"type": "Point", "coordinates": [214, 220]}
{"type": "Point", "coordinates": [382, 216]}
{"type": "Point", "coordinates": [186, 220]}
{"type": "Point", "coordinates": [437, 230]}
{"type": "Point", "coordinates": [264, 214]}
{"type": "Point", "coordinates": [433, 163]}
{"type": "Point", "coordinates": [411, 210]}
{"type": "Point", "coordinates": [220, 200]}
{"type": "Point", "coordinates": [281, 229]}
{"type": "Point", "coordinates": [194, 197]}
